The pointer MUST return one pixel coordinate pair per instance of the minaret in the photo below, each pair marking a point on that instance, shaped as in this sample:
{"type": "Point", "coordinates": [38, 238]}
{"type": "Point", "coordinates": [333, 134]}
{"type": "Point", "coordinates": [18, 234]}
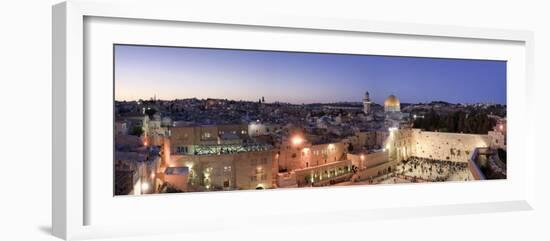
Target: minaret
{"type": "Point", "coordinates": [367, 104]}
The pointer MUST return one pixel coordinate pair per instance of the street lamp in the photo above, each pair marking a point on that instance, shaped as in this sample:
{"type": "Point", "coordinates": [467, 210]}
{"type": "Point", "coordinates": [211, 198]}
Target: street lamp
{"type": "Point", "coordinates": [297, 140]}
{"type": "Point", "coordinates": [144, 186]}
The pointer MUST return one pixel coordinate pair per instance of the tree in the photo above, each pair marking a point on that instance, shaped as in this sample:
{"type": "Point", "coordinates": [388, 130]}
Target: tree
{"type": "Point", "coordinates": [350, 147]}
{"type": "Point", "coordinates": [150, 112]}
{"type": "Point", "coordinates": [307, 178]}
{"type": "Point", "coordinates": [136, 131]}
{"type": "Point", "coordinates": [502, 154]}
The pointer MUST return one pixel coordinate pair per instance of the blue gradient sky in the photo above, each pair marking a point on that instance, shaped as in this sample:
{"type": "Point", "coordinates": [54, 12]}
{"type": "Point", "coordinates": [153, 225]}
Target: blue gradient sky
{"type": "Point", "coordinates": [170, 73]}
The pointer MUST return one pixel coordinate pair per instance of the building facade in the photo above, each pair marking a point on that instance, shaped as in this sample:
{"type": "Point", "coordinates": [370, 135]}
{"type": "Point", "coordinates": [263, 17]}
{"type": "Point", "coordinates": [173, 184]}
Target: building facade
{"type": "Point", "coordinates": [213, 139]}
{"type": "Point", "coordinates": [236, 171]}
{"type": "Point", "coordinates": [295, 156]}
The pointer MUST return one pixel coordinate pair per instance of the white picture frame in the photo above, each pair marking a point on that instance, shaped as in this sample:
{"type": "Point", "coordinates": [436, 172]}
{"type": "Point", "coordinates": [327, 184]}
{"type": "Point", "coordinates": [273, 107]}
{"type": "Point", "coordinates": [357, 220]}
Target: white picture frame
{"type": "Point", "coordinates": [72, 193]}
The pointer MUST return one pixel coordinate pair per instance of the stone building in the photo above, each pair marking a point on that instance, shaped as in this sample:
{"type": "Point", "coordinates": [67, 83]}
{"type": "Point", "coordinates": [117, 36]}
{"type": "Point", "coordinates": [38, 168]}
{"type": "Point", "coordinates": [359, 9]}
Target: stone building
{"type": "Point", "coordinates": [295, 155]}
{"type": "Point", "coordinates": [192, 139]}
{"type": "Point", "coordinates": [243, 170]}
{"type": "Point", "coordinates": [498, 135]}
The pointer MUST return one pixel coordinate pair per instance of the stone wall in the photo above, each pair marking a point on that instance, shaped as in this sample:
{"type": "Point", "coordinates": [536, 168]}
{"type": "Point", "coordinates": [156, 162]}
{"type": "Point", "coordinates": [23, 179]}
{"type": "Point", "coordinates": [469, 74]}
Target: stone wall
{"type": "Point", "coordinates": [498, 139]}
{"type": "Point", "coordinates": [363, 161]}
{"type": "Point", "coordinates": [445, 146]}
{"type": "Point", "coordinates": [368, 139]}
{"type": "Point", "coordinates": [323, 174]}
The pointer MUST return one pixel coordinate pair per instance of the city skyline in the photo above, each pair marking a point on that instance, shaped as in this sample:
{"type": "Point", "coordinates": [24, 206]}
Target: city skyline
{"type": "Point", "coordinates": [168, 73]}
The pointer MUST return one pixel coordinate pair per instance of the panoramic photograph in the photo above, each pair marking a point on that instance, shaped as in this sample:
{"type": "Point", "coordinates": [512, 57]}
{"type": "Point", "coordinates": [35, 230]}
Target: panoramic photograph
{"type": "Point", "coordinates": [192, 119]}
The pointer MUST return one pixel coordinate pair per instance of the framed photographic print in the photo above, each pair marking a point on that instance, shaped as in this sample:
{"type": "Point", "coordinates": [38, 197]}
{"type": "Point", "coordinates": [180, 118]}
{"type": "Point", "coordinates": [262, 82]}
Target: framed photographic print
{"type": "Point", "coordinates": [198, 122]}
{"type": "Point", "coordinates": [193, 119]}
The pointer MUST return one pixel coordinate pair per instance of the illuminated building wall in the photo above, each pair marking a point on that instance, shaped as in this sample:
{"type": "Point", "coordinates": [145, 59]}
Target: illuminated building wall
{"type": "Point", "coordinates": [498, 135]}
{"type": "Point", "coordinates": [298, 156]}
{"type": "Point", "coordinates": [258, 129]}
{"type": "Point", "coordinates": [156, 132]}
{"type": "Point", "coordinates": [245, 170]}
{"type": "Point", "coordinates": [498, 139]}
{"type": "Point", "coordinates": [184, 139]}
{"type": "Point", "coordinates": [376, 170]}
{"type": "Point", "coordinates": [325, 174]}
{"type": "Point", "coordinates": [165, 152]}
{"type": "Point", "coordinates": [399, 144]}
{"type": "Point", "coordinates": [363, 161]}
{"type": "Point", "coordinates": [369, 139]}
{"type": "Point", "coordinates": [241, 130]}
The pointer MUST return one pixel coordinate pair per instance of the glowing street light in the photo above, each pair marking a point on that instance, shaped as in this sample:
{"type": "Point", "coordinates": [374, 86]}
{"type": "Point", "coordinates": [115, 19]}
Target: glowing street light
{"type": "Point", "coordinates": [144, 187]}
{"type": "Point", "coordinates": [297, 140]}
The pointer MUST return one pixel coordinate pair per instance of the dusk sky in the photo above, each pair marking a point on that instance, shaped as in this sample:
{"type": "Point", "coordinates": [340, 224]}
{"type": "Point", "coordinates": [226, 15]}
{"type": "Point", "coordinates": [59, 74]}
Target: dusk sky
{"type": "Point", "coordinates": [179, 73]}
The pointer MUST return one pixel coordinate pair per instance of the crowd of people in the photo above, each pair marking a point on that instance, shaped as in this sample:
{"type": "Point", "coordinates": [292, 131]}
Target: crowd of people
{"type": "Point", "coordinates": [424, 169]}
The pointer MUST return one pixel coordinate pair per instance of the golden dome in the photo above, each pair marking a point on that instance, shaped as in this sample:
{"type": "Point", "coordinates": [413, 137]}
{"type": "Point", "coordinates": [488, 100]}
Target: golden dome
{"type": "Point", "coordinates": [392, 101]}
